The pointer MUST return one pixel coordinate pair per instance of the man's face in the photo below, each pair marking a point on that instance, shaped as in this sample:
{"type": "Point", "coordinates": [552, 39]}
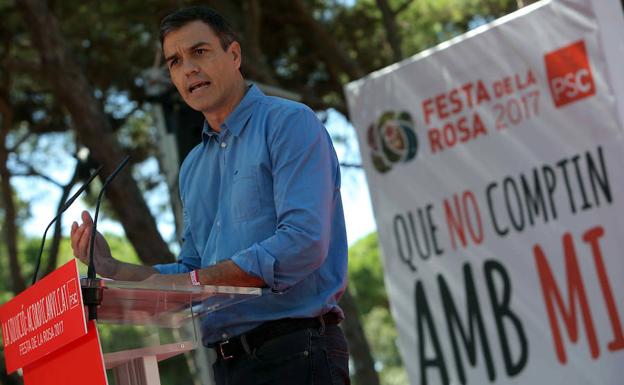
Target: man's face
{"type": "Point", "coordinates": [205, 75]}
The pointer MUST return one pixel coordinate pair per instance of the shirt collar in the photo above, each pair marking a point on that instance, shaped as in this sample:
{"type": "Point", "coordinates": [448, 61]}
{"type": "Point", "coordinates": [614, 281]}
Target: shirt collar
{"type": "Point", "coordinates": [235, 122]}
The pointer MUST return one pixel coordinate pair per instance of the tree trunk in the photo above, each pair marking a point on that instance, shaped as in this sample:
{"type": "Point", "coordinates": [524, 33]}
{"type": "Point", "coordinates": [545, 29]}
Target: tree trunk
{"type": "Point", "coordinates": [390, 26]}
{"type": "Point", "coordinates": [524, 3]}
{"type": "Point", "coordinates": [93, 129]}
{"type": "Point", "coordinates": [334, 56]}
{"type": "Point", "coordinates": [359, 350]}
{"type": "Point", "coordinates": [254, 62]}
{"type": "Point", "coordinates": [10, 230]}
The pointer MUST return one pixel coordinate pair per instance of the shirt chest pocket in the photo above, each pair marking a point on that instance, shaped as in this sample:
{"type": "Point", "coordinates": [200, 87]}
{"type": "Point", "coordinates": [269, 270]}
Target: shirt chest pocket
{"type": "Point", "coordinates": [245, 198]}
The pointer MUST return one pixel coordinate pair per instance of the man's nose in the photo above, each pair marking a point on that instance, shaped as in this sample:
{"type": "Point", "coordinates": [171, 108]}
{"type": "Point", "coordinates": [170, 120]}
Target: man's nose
{"type": "Point", "coordinates": [190, 67]}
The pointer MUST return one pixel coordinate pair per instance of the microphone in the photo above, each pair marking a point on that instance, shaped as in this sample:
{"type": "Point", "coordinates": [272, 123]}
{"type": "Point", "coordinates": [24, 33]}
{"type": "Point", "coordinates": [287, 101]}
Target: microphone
{"type": "Point", "coordinates": [68, 203]}
{"type": "Point", "coordinates": [93, 298]}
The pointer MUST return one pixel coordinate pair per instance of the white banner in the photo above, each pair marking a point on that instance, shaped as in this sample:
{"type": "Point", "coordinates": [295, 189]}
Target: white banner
{"type": "Point", "coordinates": [495, 164]}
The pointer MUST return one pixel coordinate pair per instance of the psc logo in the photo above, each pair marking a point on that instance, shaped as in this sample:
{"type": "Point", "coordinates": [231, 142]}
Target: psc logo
{"type": "Point", "coordinates": [392, 140]}
{"type": "Point", "coordinates": [569, 74]}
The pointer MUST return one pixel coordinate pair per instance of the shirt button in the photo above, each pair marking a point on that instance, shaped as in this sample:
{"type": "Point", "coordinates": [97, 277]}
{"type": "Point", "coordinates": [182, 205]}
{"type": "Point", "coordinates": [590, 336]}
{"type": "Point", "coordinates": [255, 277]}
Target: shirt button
{"type": "Point", "coordinates": [223, 145]}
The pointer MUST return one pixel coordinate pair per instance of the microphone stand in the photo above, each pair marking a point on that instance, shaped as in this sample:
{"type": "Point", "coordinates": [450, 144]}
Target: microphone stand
{"type": "Point", "coordinates": [92, 294]}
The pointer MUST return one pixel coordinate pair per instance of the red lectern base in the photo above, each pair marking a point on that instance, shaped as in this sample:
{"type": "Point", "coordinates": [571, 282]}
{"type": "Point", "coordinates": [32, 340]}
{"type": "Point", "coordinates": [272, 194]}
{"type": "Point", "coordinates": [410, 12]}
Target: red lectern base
{"type": "Point", "coordinates": [77, 363]}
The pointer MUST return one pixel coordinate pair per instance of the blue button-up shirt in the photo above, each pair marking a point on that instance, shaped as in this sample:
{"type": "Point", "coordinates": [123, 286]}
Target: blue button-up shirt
{"type": "Point", "coordinates": [265, 193]}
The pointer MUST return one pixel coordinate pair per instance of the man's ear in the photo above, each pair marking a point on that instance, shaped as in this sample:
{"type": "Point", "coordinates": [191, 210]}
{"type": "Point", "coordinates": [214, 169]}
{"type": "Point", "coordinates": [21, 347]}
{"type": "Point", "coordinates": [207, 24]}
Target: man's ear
{"type": "Point", "coordinates": [235, 50]}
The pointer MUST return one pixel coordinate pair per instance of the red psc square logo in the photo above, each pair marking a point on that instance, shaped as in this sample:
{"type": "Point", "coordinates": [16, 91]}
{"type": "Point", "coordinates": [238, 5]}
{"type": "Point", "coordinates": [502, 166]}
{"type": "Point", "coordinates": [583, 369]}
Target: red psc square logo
{"type": "Point", "coordinates": [72, 293]}
{"type": "Point", "coordinates": [569, 74]}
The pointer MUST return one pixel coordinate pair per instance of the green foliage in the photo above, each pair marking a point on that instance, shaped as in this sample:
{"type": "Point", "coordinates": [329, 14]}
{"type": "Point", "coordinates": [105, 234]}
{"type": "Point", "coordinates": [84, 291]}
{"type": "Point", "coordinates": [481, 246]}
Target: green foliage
{"type": "Point", "coordinates": [366, 282]}
{"type": "Point", "coordinates": [381, 333]}
{"type": "Point", "coordinates": [421, 25]}
{"type": "Point", "coordinates": [366, 279]}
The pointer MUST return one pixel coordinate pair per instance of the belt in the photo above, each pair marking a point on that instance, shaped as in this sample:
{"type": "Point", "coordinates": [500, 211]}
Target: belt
{"type": "Point", "coordinates": [235, 346]}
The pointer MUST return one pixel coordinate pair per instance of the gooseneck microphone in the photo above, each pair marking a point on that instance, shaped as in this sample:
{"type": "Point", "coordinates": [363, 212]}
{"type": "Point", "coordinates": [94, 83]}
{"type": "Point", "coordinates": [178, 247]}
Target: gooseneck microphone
{"type": "Point", "coordinates": [68, 203]}
{"type": "Point", "coordinates": [93, 298]}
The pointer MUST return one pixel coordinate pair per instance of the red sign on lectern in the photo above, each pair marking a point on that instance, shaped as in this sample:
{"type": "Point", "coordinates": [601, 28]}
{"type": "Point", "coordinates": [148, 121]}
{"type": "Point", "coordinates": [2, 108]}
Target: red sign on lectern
{"type": "Point", "coordinates": [43, 318]}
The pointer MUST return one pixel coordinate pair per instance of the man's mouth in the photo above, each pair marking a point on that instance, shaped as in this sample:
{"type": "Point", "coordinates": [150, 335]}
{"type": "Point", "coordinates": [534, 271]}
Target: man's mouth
{"type": "Point", "coordinates": [198, 85]}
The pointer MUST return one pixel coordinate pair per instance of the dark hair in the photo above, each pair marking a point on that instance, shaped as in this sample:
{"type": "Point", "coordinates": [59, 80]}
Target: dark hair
{"type": "Point", "coordinates": [209, 16]}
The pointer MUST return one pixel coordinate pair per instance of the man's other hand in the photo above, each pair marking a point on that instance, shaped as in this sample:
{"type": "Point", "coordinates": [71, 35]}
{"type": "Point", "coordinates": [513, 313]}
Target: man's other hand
{"type": "Point", "coordinates": [105, 264]}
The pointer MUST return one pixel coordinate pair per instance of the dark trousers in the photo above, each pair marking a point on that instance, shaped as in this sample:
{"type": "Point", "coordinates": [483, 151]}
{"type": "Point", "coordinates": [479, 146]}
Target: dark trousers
{"type": "Point", "coordinates": [315, 356]}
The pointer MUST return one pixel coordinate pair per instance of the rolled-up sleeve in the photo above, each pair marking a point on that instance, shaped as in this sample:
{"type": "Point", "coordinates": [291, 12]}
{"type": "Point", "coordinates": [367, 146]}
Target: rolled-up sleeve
{"type": "Point", "coordinates": [305, 178]}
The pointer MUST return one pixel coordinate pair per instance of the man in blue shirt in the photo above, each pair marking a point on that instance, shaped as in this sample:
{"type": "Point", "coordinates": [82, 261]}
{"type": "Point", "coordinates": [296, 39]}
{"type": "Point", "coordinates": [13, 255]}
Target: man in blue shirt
{"type": "Point", "coordinates": [262, 208]}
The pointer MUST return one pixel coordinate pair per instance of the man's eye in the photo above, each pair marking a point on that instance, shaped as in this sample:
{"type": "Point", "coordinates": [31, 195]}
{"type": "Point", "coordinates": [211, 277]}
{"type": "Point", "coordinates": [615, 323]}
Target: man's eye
{"type": "Point", "coordinates": [173, 62]}
{"type": "Point", "coordinates": [200, 51]}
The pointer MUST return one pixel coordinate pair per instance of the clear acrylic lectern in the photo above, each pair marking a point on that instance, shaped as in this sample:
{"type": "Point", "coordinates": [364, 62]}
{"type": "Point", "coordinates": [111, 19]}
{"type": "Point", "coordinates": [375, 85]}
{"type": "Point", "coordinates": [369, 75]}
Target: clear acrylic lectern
{"type": "Point", "coordinates": [141, 324]}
